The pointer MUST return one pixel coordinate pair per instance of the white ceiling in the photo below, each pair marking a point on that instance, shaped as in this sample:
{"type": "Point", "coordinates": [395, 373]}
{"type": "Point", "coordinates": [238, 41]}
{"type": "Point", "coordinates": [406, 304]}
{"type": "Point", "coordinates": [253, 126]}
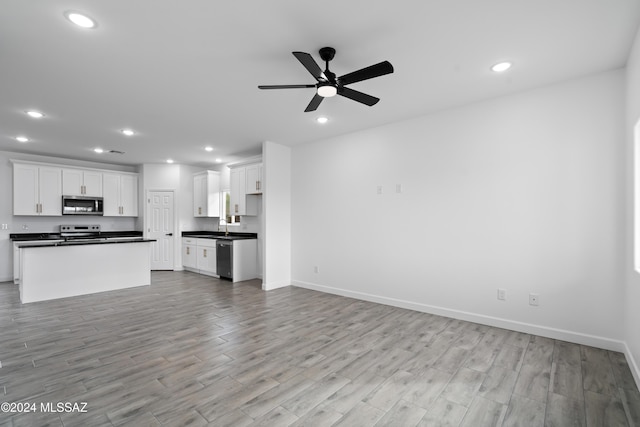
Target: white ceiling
{"type": "Point", "coordinates": [184, 74]}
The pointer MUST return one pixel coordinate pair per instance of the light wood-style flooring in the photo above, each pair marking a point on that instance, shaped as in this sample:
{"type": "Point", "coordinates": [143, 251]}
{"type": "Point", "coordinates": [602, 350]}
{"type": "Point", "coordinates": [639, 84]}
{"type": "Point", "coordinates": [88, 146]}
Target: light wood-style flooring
{"type": "Point", "coordinates": [191, 350]}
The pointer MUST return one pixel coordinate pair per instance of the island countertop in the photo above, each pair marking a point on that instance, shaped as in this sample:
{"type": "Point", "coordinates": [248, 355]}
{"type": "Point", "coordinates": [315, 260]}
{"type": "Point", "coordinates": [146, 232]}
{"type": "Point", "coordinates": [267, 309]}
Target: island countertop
{"type": "Point", "coordinates": [50, 242]}
{"type": "Point", "coordinates": [18, 237]}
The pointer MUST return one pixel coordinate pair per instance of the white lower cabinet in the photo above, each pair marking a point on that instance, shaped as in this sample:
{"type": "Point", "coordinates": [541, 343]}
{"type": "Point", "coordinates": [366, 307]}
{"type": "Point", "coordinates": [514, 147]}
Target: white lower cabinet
{"type": "Point", "coordinates": [189, 252]}
{"type": "Point", "coordinates": [199, 255]}
{"type": "Point", "coordinates": [206, 258]}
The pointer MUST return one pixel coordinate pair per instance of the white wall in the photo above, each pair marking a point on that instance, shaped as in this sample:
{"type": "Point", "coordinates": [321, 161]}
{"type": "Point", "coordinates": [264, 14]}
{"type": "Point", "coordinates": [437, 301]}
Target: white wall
{"type": "Point", "coordinates": [277, 216]}
{"type": "Point", "coordinates": [632, 291]}
{"type": "Point", "coordinates": [36, 224]}
{"type": "Point", "coordinates": [520, 192]}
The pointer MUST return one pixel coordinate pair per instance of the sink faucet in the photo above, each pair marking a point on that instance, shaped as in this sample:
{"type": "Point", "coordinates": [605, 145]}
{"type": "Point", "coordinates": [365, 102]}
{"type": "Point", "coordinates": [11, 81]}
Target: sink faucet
{"type": "Point", "coordinates": [226, 227]}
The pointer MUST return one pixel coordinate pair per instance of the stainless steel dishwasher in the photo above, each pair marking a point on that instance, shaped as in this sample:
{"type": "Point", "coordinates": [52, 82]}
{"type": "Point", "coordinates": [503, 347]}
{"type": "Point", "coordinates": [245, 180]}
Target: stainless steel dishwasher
{"type": "Point", "coordinates": [224, 258]}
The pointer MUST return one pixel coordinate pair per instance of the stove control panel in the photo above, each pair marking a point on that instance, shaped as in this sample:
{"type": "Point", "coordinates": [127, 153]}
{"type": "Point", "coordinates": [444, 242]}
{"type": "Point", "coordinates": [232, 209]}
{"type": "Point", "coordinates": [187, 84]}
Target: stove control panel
{"type": "Point", "coordinates": [79, 228]}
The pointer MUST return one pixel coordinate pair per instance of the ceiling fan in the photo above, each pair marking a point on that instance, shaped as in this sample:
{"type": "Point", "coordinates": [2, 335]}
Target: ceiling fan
{"type": "Point", "coordinates": [329, 85]}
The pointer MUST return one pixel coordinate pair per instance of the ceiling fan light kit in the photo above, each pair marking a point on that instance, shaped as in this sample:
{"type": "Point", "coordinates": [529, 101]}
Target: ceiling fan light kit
{"type": "Point", "coordinates": [329, 85]}
{"type": "Point", "coordinates": [327, 90]}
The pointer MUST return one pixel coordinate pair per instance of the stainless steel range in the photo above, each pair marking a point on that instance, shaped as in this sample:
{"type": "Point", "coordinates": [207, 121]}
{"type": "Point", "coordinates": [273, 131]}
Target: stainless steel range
{"type": "Point", "coordinates": [81, 232]}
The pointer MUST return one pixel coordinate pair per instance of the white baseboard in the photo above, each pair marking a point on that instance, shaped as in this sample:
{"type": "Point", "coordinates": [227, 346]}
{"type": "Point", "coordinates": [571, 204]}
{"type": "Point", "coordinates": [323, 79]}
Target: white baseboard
{"type": "Point", "coordinates": [633, 365]}
{"type": "Point", "coordinates": [545, 331]}
{"type": "Point", "coordinates": [274, 285]}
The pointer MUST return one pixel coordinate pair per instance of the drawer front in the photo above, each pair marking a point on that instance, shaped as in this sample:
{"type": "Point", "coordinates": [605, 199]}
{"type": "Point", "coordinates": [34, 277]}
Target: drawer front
{"type": "Point", "coordinates": [208, 243]}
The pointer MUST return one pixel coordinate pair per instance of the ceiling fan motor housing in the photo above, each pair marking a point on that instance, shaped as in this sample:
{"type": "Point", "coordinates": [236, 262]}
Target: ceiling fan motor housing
{"type": "Point", "coordinates": [327, 53]}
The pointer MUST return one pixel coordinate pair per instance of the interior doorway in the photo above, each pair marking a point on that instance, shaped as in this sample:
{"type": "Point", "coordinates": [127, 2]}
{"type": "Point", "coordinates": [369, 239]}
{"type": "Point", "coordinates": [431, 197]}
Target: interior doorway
{"type": "Point", "coordinates": [160, 220]}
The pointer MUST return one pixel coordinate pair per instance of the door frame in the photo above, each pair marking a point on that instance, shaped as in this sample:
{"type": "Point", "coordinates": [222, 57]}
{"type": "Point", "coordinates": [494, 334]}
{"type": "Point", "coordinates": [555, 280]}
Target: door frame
{"type": "Point", "coordinates": [147, 221]}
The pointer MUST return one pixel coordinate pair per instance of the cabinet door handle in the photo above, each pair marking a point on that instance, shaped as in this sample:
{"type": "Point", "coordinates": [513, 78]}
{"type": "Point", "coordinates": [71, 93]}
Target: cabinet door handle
{"type": "Point", "coordinates": [188, 252]}
{"type": "Point", "coordinates": [236, 208]}
{"type": "Point", "coordinates": [205, 253]}
{"type": "Point", "coordinates": [199, 210]}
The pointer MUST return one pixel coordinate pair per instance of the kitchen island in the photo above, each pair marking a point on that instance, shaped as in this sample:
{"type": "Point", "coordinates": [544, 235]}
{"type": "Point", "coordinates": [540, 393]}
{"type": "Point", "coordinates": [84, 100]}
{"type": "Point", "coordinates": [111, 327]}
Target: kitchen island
{"type": "Point", "coordinates": [51, 270]}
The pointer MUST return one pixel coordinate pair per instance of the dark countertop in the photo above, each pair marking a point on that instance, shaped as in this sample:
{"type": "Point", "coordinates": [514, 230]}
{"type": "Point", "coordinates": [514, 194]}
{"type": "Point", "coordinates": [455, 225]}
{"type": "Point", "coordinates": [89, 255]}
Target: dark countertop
{"type": "Point", "coordinates": [18, 237]}
{"type": "Point", "coordinates": [48, 243]}
{"type": "Point", "coordinates": [219, 235]}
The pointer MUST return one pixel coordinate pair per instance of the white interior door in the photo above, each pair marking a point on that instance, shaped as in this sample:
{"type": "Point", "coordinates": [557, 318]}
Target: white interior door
{"type": "Point", "coordinates": [161, 229]}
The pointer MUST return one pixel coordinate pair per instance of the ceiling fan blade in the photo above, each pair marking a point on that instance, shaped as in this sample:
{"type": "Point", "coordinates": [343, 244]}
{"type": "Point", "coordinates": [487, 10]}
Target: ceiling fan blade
{"type": "Point", "coordinates": [285, 86]}
{"type": "Point", "coordinates": [358, 96]}
{"type": "Point", "coordinates": [315, 102]}
{"type": "Point", "coordinates": [370, 72]}
{"type": "Point", "coordinates": [310, 64]}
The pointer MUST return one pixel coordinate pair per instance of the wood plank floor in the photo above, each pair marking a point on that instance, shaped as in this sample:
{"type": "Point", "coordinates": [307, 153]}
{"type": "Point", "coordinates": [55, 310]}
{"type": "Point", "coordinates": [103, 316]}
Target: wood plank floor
{"type": "Point", "coordinates": [193, 350]}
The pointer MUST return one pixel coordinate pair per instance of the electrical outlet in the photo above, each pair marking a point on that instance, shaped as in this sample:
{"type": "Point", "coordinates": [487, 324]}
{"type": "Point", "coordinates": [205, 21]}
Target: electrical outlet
{"type": "Point", "coordinates": [502, 294]}
{"type": "Point", "coordinates": [534, 299]}
{"type": "Point", "coordinates": [5, 226]}
{"type": "Point", "coordinates": [398, 188]}
{"type": "Point", "coordinates": [316, 269]}
{"type": "Point", "coordinates": [379, 189]}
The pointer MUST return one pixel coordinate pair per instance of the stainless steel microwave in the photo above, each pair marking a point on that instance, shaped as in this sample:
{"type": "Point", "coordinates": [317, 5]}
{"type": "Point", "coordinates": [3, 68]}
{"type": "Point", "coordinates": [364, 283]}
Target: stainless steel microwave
{"type": "Point", "coordinates": [82, 205]}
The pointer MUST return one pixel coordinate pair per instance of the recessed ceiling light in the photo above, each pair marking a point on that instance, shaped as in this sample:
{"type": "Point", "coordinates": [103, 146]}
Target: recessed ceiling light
{"type": "Point", "coordinates": [81, 20]}
{"type": "Point", "coordinates": [169, 160]}
{"type": "Point", "coordinates": [98, 150]}
{"type": "Point", "coordinates": [35, 114]}
{"type": "Point", "coordinates": [322, 120]}
{"type": "Point", "coordinates": [218, 160]}
{"type": "Point", "coordinates": [127, 132]}
{"type": "Point", "coordinates": [501, 67]}
{"type": "Point", "coordinates": [22, 138]}
{"type": "Point", "coordinates": [208, 148]}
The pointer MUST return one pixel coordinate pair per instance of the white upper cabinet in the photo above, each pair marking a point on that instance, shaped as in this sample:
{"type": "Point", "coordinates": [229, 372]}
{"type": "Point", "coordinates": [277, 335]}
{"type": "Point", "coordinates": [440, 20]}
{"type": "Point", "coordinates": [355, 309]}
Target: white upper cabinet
{"type": "Point", "coordinates": [206, 194]}
{"type": "Point", "coordinates": [120, 192]}
{"type": "Point", "coordinates": [37, 190]}
{"type": "Point", "coordinates": [78, 182]}
{"type": "Point", "coordinates": [253, 175]}
{"type": "Point", "coordinates": [237, 193]}
{"type": "Point", "coordinates": [246, 186]}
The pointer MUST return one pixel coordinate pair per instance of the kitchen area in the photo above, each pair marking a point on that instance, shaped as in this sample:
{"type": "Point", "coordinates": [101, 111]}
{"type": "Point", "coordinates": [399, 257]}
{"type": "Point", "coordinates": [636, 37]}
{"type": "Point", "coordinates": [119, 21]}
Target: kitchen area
{"type": "Point", "coordinates": [70, 224]}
